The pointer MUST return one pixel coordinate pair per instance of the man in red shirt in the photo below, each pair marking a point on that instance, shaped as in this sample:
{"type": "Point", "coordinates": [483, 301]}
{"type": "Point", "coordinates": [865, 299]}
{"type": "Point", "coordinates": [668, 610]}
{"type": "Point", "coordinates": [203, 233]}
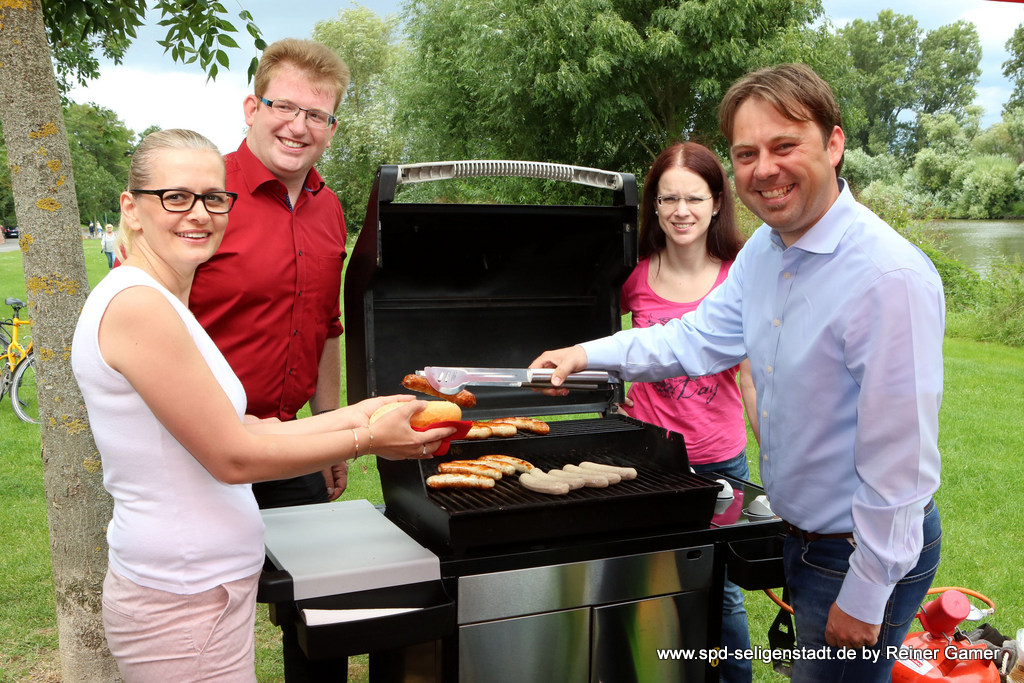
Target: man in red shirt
{"type": "Point", "coordinates": [269, 298]}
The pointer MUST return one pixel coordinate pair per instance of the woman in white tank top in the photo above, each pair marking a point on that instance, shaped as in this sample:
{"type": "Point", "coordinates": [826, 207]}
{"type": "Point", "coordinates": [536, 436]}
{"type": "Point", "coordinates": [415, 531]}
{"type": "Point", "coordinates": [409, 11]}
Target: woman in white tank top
{"type": "Point", "coordinates": [168, 416]}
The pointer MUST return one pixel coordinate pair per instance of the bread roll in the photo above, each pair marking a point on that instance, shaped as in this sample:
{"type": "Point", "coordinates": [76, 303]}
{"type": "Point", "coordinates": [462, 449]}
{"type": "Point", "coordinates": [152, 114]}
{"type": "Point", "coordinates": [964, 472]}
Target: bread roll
{"type": "Point", "coordinates": [436, 411]}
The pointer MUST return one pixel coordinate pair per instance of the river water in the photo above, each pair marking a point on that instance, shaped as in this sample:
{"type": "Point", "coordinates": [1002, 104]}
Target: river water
{"type": "Point", "coordinates": [977, 244]}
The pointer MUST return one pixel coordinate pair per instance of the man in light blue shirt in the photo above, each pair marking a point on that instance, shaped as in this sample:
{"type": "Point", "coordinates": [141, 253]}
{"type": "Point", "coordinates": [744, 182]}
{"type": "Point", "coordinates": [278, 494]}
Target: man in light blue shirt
{"type": "Point", "coordinates": [842, 320]}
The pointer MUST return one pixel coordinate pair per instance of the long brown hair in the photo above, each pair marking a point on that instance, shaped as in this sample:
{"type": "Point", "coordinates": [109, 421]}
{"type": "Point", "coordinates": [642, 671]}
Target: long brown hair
{"type": "Point", "coordinates": [724, 238]}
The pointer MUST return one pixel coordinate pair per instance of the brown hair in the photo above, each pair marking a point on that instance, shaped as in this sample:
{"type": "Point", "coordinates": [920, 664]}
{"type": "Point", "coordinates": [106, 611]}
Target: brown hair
{"type": "Point", "coordinates": [724, 238]}
{"type": "Point", "coordinates": [144, 161]}
{"type": "Point", "coordinates": [323, 68]}
{"type": "Point", "coordinates": [794, 90]}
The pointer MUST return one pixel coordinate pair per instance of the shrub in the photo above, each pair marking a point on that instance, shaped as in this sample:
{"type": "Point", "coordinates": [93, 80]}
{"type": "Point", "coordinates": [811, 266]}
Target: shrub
{"type": "Point", "coordinates": [960, 284]}
{"type": "Point", "coordinates": [861, 169]}
{"type": "Point", "coordinates": [986, 187]}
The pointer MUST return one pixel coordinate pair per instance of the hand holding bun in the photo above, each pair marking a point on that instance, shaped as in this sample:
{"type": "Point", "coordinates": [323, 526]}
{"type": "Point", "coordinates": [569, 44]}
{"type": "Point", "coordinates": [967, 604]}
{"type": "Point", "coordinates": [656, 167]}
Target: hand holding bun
{"type": "Point", "coordinates": [400, 436]}
{"type": "Point", "coordinates": [434, 412]}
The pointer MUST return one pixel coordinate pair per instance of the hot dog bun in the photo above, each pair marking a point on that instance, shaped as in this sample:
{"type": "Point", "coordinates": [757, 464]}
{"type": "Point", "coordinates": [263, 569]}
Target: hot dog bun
{"type": "Point", "coordinates": [436, 411]}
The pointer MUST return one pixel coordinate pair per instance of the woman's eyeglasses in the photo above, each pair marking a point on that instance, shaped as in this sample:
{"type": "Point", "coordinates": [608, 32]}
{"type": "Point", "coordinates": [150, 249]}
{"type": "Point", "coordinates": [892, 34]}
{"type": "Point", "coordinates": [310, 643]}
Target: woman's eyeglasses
{"type": "Point", "coordinates": [670, 201]}
{"type": "Point", "coordinates": [180, 201]}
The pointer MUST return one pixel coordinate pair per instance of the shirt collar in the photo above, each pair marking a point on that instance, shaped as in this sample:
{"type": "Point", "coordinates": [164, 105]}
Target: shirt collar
{"type": "Point", "coordinates": [256, 174]}
{"type": "Point", "coordinates": [825, 235]}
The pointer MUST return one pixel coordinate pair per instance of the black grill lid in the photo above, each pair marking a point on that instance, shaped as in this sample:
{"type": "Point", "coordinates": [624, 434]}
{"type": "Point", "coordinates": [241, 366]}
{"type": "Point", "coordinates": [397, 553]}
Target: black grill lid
{"type": "Point", "coordinates": [488, 285]}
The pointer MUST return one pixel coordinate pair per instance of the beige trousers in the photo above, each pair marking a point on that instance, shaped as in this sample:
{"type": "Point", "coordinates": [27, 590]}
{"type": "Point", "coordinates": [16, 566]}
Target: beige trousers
{"type": "Point", "coordinates": [161, 637]}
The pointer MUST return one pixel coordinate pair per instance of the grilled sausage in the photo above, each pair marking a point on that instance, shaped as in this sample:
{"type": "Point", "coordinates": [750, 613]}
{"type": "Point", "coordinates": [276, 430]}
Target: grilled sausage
{"type": "Point", "coordinates": [593, 479]}
{"type": "Point", "coordinates": [519, 464]}
{"type": "Point", "coordinates": [468, 467]}
{"type": "Point", "coordinates": [459, 481]}
{"type": "Point", "coordinates": [574, 481]}
{"type": "Point", "coordinates": [463, 399]}
{"type": "Point", "coordinates": [505, 467]}
{"type": "Point", "coordinates": [526, 424]}
{"type": "Point", "coordinates": [501, 428]}
{"type": "Point", "coordinates": [478, 431]}
{"type": "Point", "coordinates": [548, 485]}
{"type": "Point", "coordinates": [626, 473]}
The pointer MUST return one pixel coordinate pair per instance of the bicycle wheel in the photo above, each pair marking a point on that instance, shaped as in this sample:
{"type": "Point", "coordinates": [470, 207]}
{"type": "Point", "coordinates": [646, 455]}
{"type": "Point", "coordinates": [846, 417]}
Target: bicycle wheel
{"type": "Point", "coordinates": [24, 399]}
{"type": "Point", "coordinates": [5, 376]}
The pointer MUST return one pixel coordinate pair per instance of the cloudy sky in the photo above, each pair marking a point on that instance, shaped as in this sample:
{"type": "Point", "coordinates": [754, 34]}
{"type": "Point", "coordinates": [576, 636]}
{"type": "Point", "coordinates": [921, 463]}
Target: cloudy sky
{"type": "Point", "coordinates": [149, 88]}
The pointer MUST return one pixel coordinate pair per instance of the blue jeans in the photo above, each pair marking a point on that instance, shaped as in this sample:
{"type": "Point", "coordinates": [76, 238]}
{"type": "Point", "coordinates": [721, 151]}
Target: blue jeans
{"type": "Point", "coordinates": [735, 632]}
{"type": "Point", "coordinates": [814, 574]}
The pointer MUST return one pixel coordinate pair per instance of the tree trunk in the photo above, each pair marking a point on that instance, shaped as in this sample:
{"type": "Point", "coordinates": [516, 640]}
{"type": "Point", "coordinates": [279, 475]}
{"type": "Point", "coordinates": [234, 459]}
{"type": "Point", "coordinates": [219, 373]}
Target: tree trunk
{"type": "Point", "coordinates": [55, 278]}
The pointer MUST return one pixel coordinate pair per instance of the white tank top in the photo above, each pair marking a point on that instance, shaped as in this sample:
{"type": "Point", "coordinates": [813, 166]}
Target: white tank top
{"type": "Point", "coordinates": [175, 527]}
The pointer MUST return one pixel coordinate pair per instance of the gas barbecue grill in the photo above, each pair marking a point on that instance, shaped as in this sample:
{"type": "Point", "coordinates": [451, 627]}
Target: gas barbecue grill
{"type": "Point", "coordinates": [525, 586]}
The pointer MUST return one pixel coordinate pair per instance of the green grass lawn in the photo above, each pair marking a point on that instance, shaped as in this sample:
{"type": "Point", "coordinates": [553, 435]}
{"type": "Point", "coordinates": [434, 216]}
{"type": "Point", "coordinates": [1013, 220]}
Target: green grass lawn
{"type": "Point", "coordinates": [982, 509]}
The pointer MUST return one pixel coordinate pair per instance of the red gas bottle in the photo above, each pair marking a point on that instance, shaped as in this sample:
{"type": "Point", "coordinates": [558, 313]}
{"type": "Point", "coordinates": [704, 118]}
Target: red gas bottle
{"type": "Point", "coordinates": [937, 655]}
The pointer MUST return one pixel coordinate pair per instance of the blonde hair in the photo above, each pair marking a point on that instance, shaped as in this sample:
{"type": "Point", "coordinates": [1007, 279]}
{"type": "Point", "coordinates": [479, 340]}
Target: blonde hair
{"type": "Point", "coordinates": [143, 163]}
{"type": "Point", "coordinates": [323, 67]}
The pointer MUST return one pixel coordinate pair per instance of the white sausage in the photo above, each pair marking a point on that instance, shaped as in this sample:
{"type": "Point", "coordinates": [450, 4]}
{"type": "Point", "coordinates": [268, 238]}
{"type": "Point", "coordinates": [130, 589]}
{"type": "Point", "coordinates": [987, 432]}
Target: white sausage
{"type": "Point", "coordinates": [626, 473]}
{"type": "Point", "coordinates": [546, 484]}
{"type": "Point", "coordinates": [594, 479]}
{"type": "Point", "coordinates": [574, 481]}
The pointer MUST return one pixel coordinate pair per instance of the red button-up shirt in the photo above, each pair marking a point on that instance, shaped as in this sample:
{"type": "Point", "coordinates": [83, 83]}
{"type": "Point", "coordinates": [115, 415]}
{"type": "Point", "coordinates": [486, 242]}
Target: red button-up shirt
{"type": "Point", "coordinates": [269, 298]}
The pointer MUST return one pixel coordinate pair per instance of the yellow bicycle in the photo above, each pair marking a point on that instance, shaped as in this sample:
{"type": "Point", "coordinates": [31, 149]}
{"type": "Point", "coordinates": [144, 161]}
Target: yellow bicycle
{"type": "Point", "coordinates": [18, 366]}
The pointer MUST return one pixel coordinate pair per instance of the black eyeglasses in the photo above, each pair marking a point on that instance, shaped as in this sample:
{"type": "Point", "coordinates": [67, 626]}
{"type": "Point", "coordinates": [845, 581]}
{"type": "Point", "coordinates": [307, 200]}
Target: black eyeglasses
{"type": "Point", "coordinates": [180, 201]}
{"type": "Point", "coordinates": [288, 110]}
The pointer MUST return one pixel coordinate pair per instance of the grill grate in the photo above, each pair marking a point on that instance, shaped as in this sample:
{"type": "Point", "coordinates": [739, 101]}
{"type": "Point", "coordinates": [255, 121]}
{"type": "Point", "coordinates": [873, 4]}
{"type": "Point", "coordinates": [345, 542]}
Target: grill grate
{"type": "Point", "coordinates": [507, 492]}
{"type": "Point", "coordinates": [665, 496]}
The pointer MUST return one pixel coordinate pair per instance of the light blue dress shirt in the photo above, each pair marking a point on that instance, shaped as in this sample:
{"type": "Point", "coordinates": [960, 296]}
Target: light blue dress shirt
{"type": "Point", "coordinates": [844, 334]}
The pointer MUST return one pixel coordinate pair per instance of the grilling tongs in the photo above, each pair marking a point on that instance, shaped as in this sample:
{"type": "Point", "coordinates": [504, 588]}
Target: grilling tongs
{"type": "Point", "coordinates": [453, 380]}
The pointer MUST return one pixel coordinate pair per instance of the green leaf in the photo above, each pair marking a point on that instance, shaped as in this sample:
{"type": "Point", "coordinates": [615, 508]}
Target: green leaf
{"type": "Point", "coordinates": [222, 57]}
{"type": "Point", "coordinates": [226, 40]}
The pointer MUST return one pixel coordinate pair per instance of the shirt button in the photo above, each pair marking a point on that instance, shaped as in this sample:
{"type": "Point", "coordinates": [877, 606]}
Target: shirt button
{"type": "Point", "coordinates": [764, 414]}
{"type": "Point", "coordinates": [776, 322]}
{"type": "Point", "coordinates": [786, 275]}
{"type": "Point", "coordinates": [769, 369]}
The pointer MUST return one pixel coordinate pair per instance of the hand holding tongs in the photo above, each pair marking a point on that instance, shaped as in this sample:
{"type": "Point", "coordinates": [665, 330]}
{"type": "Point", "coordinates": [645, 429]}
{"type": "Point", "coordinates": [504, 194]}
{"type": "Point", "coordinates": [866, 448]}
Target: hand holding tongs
{"type": "Point", "coordinates": [453, 380]}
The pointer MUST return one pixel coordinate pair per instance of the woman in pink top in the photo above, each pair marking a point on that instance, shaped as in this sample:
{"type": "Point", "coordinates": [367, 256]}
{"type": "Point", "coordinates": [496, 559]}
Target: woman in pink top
{"type": "Point", "coordinates": [688, 240]}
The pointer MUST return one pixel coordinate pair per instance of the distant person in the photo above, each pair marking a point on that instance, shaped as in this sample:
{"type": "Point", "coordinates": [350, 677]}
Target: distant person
{"type": "Point", "coordinates": [186, 538]}
{"type": "Point", "coordinates": [275, 282]}
{"type": "Point", "coordinates": [688, 241]}
{"type": "Point", "coordinates": [108, 243]}
{"type": "Point", "coordinates": [842, 320]}
{"type": "Point", "coordinates": [92, 230]}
